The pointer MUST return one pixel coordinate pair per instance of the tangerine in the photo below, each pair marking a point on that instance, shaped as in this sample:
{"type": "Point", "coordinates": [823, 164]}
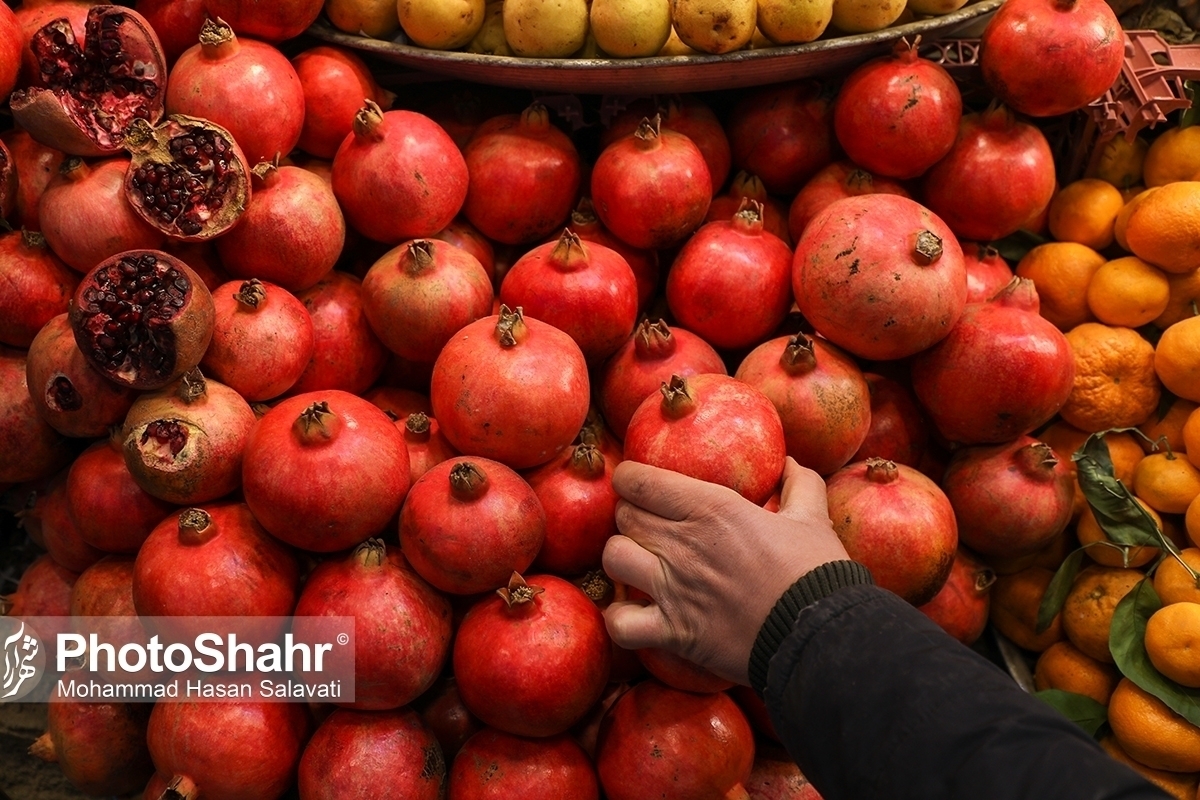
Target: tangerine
{"type": "Point", "coordinates": [1115, 382]}
{"type": "Point", "coordinates": [1173, 642]}
{"type": "Point", "coordinates": [1087, 614]}
{"type": "Point", "coordinates": [1152, 733]}
{"type": "Point", "coordinates": [1167, 482]}
{"type": "Point", "coordinates": [1164, 229]}
{"type": "Point", "coordinates": [1063, 667]}
{"type": "Point", "coordinates": [1128, 292]}
{"type": "Point", "coordinates": [1084, 212]}
{"type": "Point", "coordinates": [1060, 272]}
{"type": "Point", "coordinates": [1173, 583]}
{"type": "Point", "coordinates": [1177, 359]}
{"type": "Point", "coordinates": [1173, 156]}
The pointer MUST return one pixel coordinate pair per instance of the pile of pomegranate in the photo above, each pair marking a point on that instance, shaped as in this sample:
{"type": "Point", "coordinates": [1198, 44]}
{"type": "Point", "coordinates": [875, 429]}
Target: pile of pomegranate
{"type": "Point", "coordinates": [269, 346]}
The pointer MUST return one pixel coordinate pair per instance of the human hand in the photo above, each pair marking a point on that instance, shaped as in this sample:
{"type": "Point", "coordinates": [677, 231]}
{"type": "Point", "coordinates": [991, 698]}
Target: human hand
{"type": "Point", "coordinates": [714, 562]}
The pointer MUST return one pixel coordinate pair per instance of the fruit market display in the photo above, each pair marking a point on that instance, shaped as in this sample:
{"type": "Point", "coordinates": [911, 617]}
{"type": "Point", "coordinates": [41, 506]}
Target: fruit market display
{"type": "Point", "coordinates": [276, 341]}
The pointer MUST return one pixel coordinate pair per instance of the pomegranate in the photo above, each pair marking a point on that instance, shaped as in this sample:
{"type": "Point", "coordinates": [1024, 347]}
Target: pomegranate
{"type": "Point", "coordinates": [202, 258]}
{"type": "Point", "coordinates": [898, 115]}
{"type": "Point", "coordinates": [31, 449]}
{"type": "Point", "coordinates": [427, 447]}
{"type": "Point", "coordinates": [773, 779]}
{"type": "Point", "coordinates": [644, 263]}
{"type": "Point", "coordinates": [8, 176]}
{"type": "Point", "coordinates": [1078, 42]}
{"type": "Point", "coordinates": [645, 362]}
{"type": "Point", "coordinates": [184, 443]}
{"type": "Point", "coordinates": [494, 765]}
{"type": "Point", "coordinates": [335, 81]}
{"type": "Point", "coordinates": [714, 428]}
{"type": "Point", "coordinates": [463, 235]}
{"type": "Point", "coordinates": [987, 271]}
{"type": "Point", "coordinates": [588, 728]}
{"type": "Point", "coordinates": [85, 217]}
{"type": "Point", "coordinates": [188, 177]}
{"type": "Point", "coordinates": [111, 512]}
{"type": "Point", "coordinates": [353, 754]}
{"type": "Point", "coordinates": [177, 23]}
{"type": "Point", "coordinates": [783, 133]}
{"type": "Point", "coordinates": [32, 17]}
{"type": "Point", "coordinates": [460, 112]}
{"type": "Point", "coordinates": [576, 492]}
{"type": "Point", "coordinates": [43, 591]}
{"type": "Point", "coordinates": [880, 276]}
{"type": "Point", "coordinates": [142, 318]}
{"type": "Point", "coordinates": [821, 396]}
{"type": "Point", "coordinates": [898, 429]}
{"type": "Point", "coordinates": [1011, 499]}
{"type": "Point", "coordinates": [273, 21]}
{"type": "Point", "coordinates": [839, 180]}
{"type": "Point", "coordinates": [59, 534]}
{"type": "Point", "coordinates": [595, 433]}
{"type": "Point", "coordinates": [12, 40]}
{"type": "Point", "coordinates": [898, 523]}
{"type": "Point", "coordinates": [100, 747]}
{"type": "Point", "coordinates": [679, 673]}
{"type": "Point", "coordinates": [36, 287]}
{"type": "Point", "coordinates": [684, 114]}
{"type": "Point", "coordinates": [651, 188]}
{"type": "Point", "coordinates": [204, 746]}
{"type": "Point", "coordinates": [71, 396]}
{"type": "Point", "coordinates": [398, 175]}
{"type": "Point", "coordinates": [997, 177]}
{"type": "Point", "coordinates": [36, 165]}
{"type": "Point", "coordinates": [324, 471]}
{"type": "Point", "coordinates": [587, 291]}
{"type": "Point", "coordinates": [102, 603]}
{"type": "Point", "coordinates": [469, 523]}
{"type": "Point", "coordinates": [660, 741]}
{"type": "Point", "coordinates": [347, 354]}
{"type": "Point", "coordinates": [534, 659]}
{"type": "Point", "coordinates": [216, 79]}
{"type": "Point", "coordinates": [1023, 362]}
{"type": "Point", "coordinates": [960, 608]}
{"type": "Point", "coordinates": [511, 389]}
{"type": "Point", "coordinates": [625, 664]}
{"type": "Point", "coordinates": [731, 282]}
{"type": "Point", "coordinates": [421, 293]}
{"type": "Point", "coordinates": [404, 635]}
{"type": "Point", "coordinates": [262, 339]}
{"type": "Point", "coordinates": [750, 187]}
{"type": "Point", "coordinates": [91, 91]}
{"type": "Point", "coordinates": [398, 403]}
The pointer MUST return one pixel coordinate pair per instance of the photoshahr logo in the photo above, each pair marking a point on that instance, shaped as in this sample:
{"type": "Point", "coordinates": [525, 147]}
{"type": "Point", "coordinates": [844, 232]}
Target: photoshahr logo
{"type": "Point", "coordinates": [24, 659]}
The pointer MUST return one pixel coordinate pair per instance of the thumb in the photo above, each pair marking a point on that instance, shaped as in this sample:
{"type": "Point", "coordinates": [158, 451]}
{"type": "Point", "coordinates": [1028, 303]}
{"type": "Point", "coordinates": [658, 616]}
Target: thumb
{"type": "Point", "coordinates": [803, 493]}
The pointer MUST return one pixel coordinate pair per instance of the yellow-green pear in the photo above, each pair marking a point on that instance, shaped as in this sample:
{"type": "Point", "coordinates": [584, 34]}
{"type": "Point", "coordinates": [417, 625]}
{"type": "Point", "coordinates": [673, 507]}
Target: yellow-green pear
{"type": "Point", "coordinates": [935, 8]}
{"type": "Point", "coordinates": [863, 16]}
{"type": "Point", "coordinates": [631, 28]}
{"type": "Point", "coordinates": [793, 21]}
{"type": "Point", "coordinates": [676, 47]}
{"type": "Point", "coordinates": [374, 18]}
{"type": "Point", "coordinates": [714, 26]}
{"type": "Point", "coordinates": [545, 28]}
{"type": "Point", "coordinates": [440, 24]}
{"type": "Point", "coordinates": [490, 39]}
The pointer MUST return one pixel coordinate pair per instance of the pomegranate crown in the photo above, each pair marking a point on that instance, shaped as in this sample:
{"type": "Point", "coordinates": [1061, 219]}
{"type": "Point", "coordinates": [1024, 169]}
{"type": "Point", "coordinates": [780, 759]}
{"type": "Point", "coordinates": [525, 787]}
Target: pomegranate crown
{"type": "Point", "coordinates": [518, 592]}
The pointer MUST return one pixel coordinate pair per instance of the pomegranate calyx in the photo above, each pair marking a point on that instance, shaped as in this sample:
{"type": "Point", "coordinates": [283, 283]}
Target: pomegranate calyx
{"type": "Point", "coordinates": [748, 219]}
{"type": "Point", "coordinates": [569, 254]}
{"type": "Point", "coordinates": [214, 35]}
{"type": "Point", "coordinates": [678, 400]}
{"type": "Point", "coordinates": [880, 470]}
{"type": "Point", "coordinates": [518, 593]}
{"type": "Point", "coordinates": [192, 386]}
{"type": "Point", "coordinates": [928, 248]}
{"type": "Point", "coordinates": [416, 427]}
{"type": "Point", "coordinates": [368, 122]}
{"type": "Point", "coordinates": [510, 327]}
{"type": "Point", "coordinates": [587, 461]}
{"type": "Point", "coordinates": [74, 168]}
{"type": "Point", "coordinates": [1019, 293]}
{"type": "Point", "coordinates": [906, 51]}
{"type": "Point", "coordinates": [266, 173]}
{"type": "Point", "coordinates": [653, 340]}
{"type": "Point", "coordinates": [1037, 461]}
{"type": "Point", "coordinates": [43, 748]}
{"type": "Point", "coordinates": [317, 424]}
{"type": "Point", "coordinates": [593, 431]}
{"type": "Point", "coordinates": [859, 181]}
{"type": "Point", "coordinates": [596, 586]}
{"type": "Point", "coordinates": [984, 578]}
{"type": "Point", "coordinates": [747, 184]}
{"type": "Point", "coordinates": [799, 357]}
{"type": "Point", "coordinates": [649, 133]}
{"type": "Point", "coordinates": [584, 215]}
{"type": "Point", "coordinates": [417, 257]}
{"type": "Point", "coordinates": [535, 119]}
{"type": "Point", "coordinates": [181, 787]}
{"type": "Point", "coordinates": [371, 553]}
{"type": "Point", "coordinates": [467, 481]}
{"type": "Point", "coordinates": [251, 294]}
{"type": "Point", "coordinates": [195, 526]}
{"type": "Point", "coordinates": [33, 238]}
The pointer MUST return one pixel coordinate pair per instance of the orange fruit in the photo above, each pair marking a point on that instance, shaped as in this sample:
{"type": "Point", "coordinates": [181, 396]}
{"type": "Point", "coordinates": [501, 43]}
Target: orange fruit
{"type": "Point", "coordinates": [1164, 229]}
{"type": "Point", "coordinates": [1128, 292]}
{"type": "Point", "coordinates": [1119, 161]}
{"type": "Point", "coordinates": [1060, 272]}
{"type": "Point", "coordinates": [1179, 785]}
{"type": "Point", "coordinates": [1169, 427]}
{"type": "Point", "coordinates": [1172, 582]}
{"type": "Point", "coordinates": [1184, 300]}
{"type": "Point", "coordinates": [1126, 453]}
{"type": "Point", "coordinates": [1063, 667]}
{"type": "Point", "coordinates": [1115, 383]}
{"type": "Point", "coordinates": [1191, 521]}
{"type": "Point", "coordinates": [1152, 733]}
{"type": "Point", "coordinates": [1084, 212]}
{"type": "Point", "coordinates": [1065, 439]}
{"type": "Point", "coordinates": [1173, 642]}
{"type": "Point", "coordinates": [1173, 156]}
{"type": "Point", "coordinates": [1121, 223]}
{"type": "Point", "coordinates": [1090, 532]}
{"type": "Point", "coordinates": [1190, 434]}
{"type": "Point", "coordinates": [1015, 601]}
{"type": "Point", "coordinates": [1167, 482]}
{"type": "Point", "coordinates": [1177, 359]}
{"type": "Point", "coordinates": [1054, 554]}
{"type": "Point", "coordinates": [1087, 614]}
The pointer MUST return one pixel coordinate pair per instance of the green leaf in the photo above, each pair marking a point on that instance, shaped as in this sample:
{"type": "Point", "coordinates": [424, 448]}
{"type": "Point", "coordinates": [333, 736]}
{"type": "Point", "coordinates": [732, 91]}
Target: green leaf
{"type": "Point", "coordinates": [1191, 115]}
{"type": "Point", "coordinates": [1122, 520]}
{"type": "Point", "coordinates": [1080, 709]}
{"type": "Point", "coordinates": [1059, 588]}
{"type": "Point", "coordinates": [1127, 643]}
{"type": "Point", "coordinates": [1014, 246]}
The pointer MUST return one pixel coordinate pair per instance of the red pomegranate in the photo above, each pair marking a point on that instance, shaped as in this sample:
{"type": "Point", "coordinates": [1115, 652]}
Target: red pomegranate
{"type": "Point", "coordinates": [625, 664]}
{"type": "Point", "coordinates": [775, 779]}
{"type": "Point", "coordinates": [32, 17]}
{"type": "Point", "coordinates": [111, 512]}
{"type": "Point", "coordinates": [997, 177]}
{"type": "Point", "coordinates": [1077, 42]}
{"type": "Point", "coordinates": [987, 271]}
{"type": "Point", "coordinates": [960, 608]}
{"type": "Point", "coordinates": [464, 236]}
{"type": "Point", "coordinates": [398, 403]}
{"type": "Point", "coordinates": [213, 79]}
{"type": "Point", "coordinates": [335, 81]}
{"type": "Point", "coordinates": [202, 258]}
{"type": "Point", "coordinates": [44, 590]}
{"type": "Point", "coordinates": [324, 471]}
{"type": "Point", "coordinates": [644, 263]}
{"type": "Point", "coordinates": [36, 165]}
{"type": "Point", "coordinates": [525, 176]}
{"type": "Point", "coordinates": [469, 523]}
{"type": "Point", "coordinates": [100, 747]}
{"type": "Point", "coordinates": [839, 180]}
{"type": "Point", "coordinates": [420, 294]}
{"type": "Point", "coordinates": [494, 765]}
{"type": "Point", "coordinates": [898, 115]}
{"type": "Point", "coordinates": [510, 389]}
{"type": "Point", "coordinates": [59, 534]}
{"type": "Point", "coordinates": [203, 745]}
{"type": "Point", "coordinates": [898, 523]}
{"type": "Point", "coordinates": [783, 133]}
{"type": "Point", "coordinates": [273, 21]}
{"type": "Point", "coordinates": [443, 712]}
{"type": "Point", "coordinates": [684, 114]}
{"type": "Point", "coordinates": [36, 287]}
{"type": "Point", "coordinates": [404, 635]}
{"type": "Point", "coordinates": [398, 176]}
{"type": "Point", "coordinates": [347, 355]}
{"type": "Point", "coordinates": [12, 40]}
{"type": "Point", "coordinates": [102, 603]}
{"type": "Point", "coordinates": [899, 431]}
{"type": "Point", "coordinates": [534, 659]}
{"type": "Point", "coordinates": [576, 492]}
{"type": "Point", "coordinates": [427, 447]}
{"type": "Point", "coordinates": [651, 188]}
{"type": "Point", "coordinates": [645, 362]}
{"type": "Point", "coordinates": [184, 443]}
{"type": "Point", "coordinates": [679, 673]}
{"type": "Point", "coordinates": [1001, 372]}
{"type": "Point", "coordinates": [714, 428]}
{"type": "Point", "coordinates": [588, 291]}
{"type": "Point", "coordinates": [588, 728]}
{"type": "Point", "coordinates": [750, 187]}
{"type": "Point", "coordinates": [821, 396]}
{"type": "Point", "coordinates": [353, 754]}
{"type": "Point", "coordinates": [177, 23]}
{"type": "Point", "coordinates": [660, 741]}
{"type": "Point", "coordinates": [31, 449]}
{"type": "Point", "coordinates": [731, 282]}
{"type": "Point", "coordinates": [880, 276]}
{"type": "Point", "coordinates": [1011, 499]}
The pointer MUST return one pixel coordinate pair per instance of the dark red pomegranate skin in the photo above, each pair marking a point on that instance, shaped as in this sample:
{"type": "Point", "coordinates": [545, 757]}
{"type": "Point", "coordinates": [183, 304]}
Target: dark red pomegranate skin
{"type": "Point", "coordinates": [36, 286]}
{"type": "Point", "coordinates": [961, 607]}
{"type": "Point", "coordinates": [783, 134]}
{"type": "Point", "coordinates": [494, 765]}
{"type": "Point", "coordinates": [100, 747]}
{"type": "Point", "coordinates": [29, 448]}
{"type": "Point", "coordinates": [899, 431]}
{"type": "Point", "coordinates": [59, 534]}
{"type": "Point", "coordinates": [576, 493]}
{"type": "Point", "coordinates": [111, 512]}
{"type": "Point", "coordinates": [443, 712]}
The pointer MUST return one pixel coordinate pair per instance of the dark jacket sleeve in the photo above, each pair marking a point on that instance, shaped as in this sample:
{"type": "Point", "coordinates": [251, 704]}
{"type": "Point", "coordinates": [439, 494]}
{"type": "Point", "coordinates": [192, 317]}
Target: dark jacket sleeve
{"type": "Point", "coordinates": [873, 700]}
